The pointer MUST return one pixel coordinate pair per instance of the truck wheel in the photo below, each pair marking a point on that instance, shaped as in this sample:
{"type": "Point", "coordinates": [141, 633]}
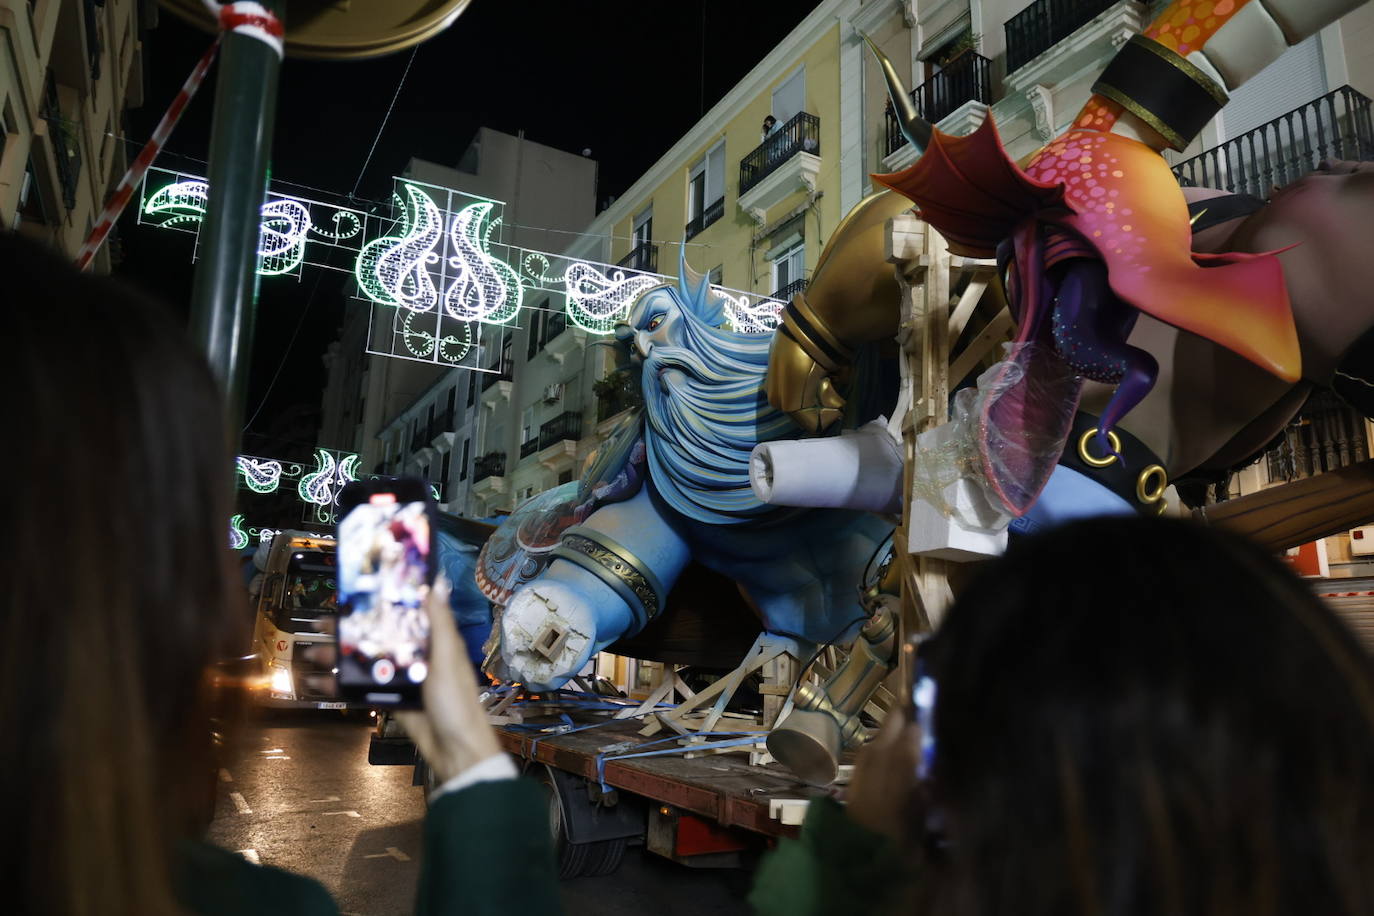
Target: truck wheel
{"type": "Point", "coordinates": [578, 860]}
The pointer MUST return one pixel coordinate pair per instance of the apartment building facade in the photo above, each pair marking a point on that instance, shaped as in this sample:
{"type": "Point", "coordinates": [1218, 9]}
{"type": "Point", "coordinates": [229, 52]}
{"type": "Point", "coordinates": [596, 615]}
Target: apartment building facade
{"type": "Point", "coordinates": [68, 71]}
{"type": "Point", "coordinates": [406, 417]}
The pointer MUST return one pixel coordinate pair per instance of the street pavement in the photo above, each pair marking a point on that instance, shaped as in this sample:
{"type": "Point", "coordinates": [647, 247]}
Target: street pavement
{"type": "Point", "coordinates": [297, 792]}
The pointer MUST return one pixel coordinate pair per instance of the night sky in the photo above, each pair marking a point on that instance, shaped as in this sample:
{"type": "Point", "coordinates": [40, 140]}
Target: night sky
{"type": "Point", "coordinates": [624, 79]}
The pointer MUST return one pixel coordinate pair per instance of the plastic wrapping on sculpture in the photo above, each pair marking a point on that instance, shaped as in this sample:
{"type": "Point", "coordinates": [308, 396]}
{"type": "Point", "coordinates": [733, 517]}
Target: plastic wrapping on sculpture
{"type": "Point", "coordinates": [1008, 432]}
{"type": "Point", "coordinates": [1093, 229]}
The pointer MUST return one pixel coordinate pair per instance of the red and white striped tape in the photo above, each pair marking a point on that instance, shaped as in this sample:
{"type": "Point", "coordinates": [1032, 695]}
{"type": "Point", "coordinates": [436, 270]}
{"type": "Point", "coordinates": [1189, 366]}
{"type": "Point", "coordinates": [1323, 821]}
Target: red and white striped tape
{"type": "Point", "coordinates": [1345, 594]}
{"type": "Point", "coordinates": [246, 18]}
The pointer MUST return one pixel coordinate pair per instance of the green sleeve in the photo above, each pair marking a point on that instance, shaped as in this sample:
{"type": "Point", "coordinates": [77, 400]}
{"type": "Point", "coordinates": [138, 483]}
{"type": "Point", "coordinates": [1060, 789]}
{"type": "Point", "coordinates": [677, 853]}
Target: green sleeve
{"type": "Point", "coordinates": [213, 882]}
{"type": "Point", "coordinates": [834, 866]}
{"type": "Point", "coordinates": [488, 851]}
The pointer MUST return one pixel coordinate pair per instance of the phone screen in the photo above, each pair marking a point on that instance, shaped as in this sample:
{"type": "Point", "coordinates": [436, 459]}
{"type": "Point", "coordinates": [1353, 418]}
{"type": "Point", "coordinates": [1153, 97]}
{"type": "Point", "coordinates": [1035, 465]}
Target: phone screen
{"type": "Point", "coordinates": [385, 574]}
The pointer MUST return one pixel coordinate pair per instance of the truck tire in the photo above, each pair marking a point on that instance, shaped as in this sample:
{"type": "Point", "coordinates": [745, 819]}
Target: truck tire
{"type": "Point", "coordinates": [577, 860]}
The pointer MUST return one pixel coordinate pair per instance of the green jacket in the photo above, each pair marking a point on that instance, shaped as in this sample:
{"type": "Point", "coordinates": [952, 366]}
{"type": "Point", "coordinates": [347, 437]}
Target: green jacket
{"type": "Point", "coordinates": [486, 851]}
{"type": "Point", "coordinates": [833, 866]}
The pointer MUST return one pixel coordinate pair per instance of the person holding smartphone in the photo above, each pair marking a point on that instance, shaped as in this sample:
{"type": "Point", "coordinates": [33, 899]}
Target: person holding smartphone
{"type": "Point", "coordinates": [120, 595]}
{"type": "Point", "coordinates": [1129, 717]}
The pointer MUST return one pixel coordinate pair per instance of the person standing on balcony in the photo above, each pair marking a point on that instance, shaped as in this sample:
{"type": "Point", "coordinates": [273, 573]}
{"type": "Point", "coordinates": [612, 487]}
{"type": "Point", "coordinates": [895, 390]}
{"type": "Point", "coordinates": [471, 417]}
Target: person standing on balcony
{"type": "Point", "coordinates": [770, 127]}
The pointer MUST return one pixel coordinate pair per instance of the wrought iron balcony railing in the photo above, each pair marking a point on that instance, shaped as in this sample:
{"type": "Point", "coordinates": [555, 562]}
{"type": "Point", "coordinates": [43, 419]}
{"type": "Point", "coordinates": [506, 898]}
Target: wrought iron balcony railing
{"type": "Point", "coordinates": [491, 378]}
{"type": "Point", "coordinates": [529, 447]}
{"type": "Point", "coordinates": [966, 78]}
{"type": "Point", "coordinates": [641, 257]}
{"type": "Point", "coordinates": [66, 143]}
{"type": "Point", "coordinates": [785, 293]}
{"type": "Point", "coordinates": [567, 425]}
{"type": "Point", "coordinates": [801, 134]}
{"type": "Point", "coordinates": [492, 464]}
{"type": "Point", "coordinates": [607, 407]}
{"type": "Point", "coordinates": [1338, 125]}
{"type": "Point", "coordinates": [705, 218]}
{"type": "Point", "coordinates": [1044, 24]}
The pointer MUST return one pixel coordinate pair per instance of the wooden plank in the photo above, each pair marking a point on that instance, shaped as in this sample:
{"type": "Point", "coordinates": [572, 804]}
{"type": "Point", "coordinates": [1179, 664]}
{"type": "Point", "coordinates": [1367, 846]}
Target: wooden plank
{"type": "Point", "coordinates": [722, 787]}
{"type": "Point", "coordinates": [997, 332]}
{"type": "Point", "coordinates": [1295, 513]}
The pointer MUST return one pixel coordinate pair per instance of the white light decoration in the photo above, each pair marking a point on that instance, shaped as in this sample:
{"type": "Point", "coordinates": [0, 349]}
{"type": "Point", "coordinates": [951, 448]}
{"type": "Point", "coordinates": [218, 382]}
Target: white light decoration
{"type": "Point", "coordinates": [597, 301]}
{"type": "Point", "coordinates": [421, 343]}
{"type": "Point", "coordinates": [281, 242]}
{"type": "Point", "coordinates": [238, 538]}
{"type": "Point", "coordinates": [484, 288]}
{"type": "Point", "coordinates": [262, 475]}
{"type": "Point", "coordinates": [761, 317]}
{"type": "Point", "coordinates": [266, 534]}
{"type": "Point", "coordinates": [286, 221]}
{"type": "Point", "coordinates": [322, 486]}
{"type": "Point", "coordinates": [393, 270]}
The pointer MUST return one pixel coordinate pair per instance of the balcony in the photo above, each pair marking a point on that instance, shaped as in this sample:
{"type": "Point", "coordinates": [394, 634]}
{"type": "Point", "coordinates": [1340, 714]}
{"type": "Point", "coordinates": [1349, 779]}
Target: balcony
{"type": "Point", "coordinates": [488, 474]}
{"type": "Point", "coordinates": [785, 293]}
{"type": "Point", "coordinates": [1326, 435]}
{"type": "Point", "coordinates": [491, 378]}
{"type": "Point", "coordinates": [66, 143]}
{"type": "Point", "coordinates": [529, 447]}
{"type": "Point", "coordinates": [705, 218]}
{"type": "Point", "coordinates": [442, 427]}
{"type": "Point", "coordinates": [1338, 125]}
{"type": "Point", "coordinates": [567, 426]}
{"type": "Point", "coordinates": [967, 78]}
{"type": "Point", "coordinates": [787, 161]}
{"type": "Point", "coordinates": [641, 257]}
{"type": "Point", "coordinates": [1044, 24]}
{"type": "Point", "coordinates": [563, 340]}
{"type": "Point", "coordinates": [607, 407]}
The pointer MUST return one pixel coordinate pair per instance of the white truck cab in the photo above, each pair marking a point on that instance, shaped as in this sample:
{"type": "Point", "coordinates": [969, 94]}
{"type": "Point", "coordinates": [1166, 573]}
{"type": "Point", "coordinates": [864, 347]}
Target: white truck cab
{"type": "Point", "coordinates": [298, 588]}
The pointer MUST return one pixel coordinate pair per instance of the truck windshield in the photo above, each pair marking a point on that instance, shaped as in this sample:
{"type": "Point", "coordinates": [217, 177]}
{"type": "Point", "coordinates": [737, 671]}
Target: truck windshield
{"type": "Point", "coordinates": [309, 592]}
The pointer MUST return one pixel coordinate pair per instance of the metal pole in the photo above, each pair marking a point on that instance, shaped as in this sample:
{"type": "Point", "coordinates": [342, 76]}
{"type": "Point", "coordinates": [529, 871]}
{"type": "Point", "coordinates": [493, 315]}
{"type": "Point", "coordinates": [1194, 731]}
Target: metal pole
{"type": "Point", "coordinates": [224, 292]}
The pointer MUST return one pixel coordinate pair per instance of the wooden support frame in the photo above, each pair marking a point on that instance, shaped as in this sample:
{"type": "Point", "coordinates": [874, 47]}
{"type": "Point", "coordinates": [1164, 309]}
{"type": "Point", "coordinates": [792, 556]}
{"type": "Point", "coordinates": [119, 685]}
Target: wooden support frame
{"type": "Point", "coordinates": [927, 329]}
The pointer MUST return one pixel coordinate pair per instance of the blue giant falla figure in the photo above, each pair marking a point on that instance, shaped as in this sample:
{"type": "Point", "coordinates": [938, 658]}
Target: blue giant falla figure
{"type": "Point", "coordinates": [592, 561]}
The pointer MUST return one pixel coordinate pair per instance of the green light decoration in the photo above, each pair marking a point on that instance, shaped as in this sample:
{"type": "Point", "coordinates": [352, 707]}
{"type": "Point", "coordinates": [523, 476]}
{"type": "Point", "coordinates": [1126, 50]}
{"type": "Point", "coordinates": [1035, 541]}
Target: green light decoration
{"type": "Point", "coordinates": [238, 538]}
{"type": "Point", "coordinates": [434, 491]}
{"type": "Point", "coordinates": [392, 269]}
{"type": "Point", "coordinates": [484, 288]}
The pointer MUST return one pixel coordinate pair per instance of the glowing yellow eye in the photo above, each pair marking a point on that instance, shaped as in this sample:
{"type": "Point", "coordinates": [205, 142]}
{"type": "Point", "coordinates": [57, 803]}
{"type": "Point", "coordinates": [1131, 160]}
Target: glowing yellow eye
{"type": "Point", "coordinates": [658, 320]}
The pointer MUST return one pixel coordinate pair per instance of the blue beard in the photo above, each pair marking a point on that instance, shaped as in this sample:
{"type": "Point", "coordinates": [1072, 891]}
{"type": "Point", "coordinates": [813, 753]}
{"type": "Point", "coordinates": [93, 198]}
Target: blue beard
{"type": "Point", "coordinates": [702, 426]}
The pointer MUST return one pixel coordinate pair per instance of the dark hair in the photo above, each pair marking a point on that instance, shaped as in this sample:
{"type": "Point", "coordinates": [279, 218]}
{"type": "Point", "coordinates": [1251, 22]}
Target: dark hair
{"type": "Point", "coordinates": [119, 588]}
{"type": "Point", "coordinates": [1144, 717]}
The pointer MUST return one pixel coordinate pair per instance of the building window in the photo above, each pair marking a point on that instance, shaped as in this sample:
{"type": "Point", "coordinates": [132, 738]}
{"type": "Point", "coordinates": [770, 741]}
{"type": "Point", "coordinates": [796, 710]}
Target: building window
{"type": "Point", "coordinates": [472, 390]}
{"type": "Point", "coordinates": [565, 477]}
{"type": "Point", "coordinates": [717, 276]}
{"type": "Point", "coordinates": [444, 469]}
{"type": "Point", "coordinates": [643, 255]}
{"type": "Point", "coordinates": [788, 267]}
{"type": "Point", "coordinates": [706, 190]}
{"type": "Point", "coordinates": [463, 468]}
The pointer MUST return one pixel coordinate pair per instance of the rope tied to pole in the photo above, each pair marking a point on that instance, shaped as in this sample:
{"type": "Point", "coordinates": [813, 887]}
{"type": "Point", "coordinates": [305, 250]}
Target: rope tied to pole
{"type": "Point", "coordinates": [251, 19]}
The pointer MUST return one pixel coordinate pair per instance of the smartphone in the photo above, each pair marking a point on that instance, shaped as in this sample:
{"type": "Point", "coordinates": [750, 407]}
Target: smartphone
{"type": "Point", "coordinates": [921, 704]}
{"type": "Point", "coordinates": [386, 566]}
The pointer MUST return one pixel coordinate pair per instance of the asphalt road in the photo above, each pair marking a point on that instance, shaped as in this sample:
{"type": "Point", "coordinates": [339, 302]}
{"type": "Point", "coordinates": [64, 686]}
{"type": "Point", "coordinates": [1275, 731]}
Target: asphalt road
{"type": "Point", "coordinates": [298, 793]}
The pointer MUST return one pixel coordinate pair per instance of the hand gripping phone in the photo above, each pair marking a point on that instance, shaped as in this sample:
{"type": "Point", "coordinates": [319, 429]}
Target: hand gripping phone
{"type": "Point", "coordinates": [386, 565]}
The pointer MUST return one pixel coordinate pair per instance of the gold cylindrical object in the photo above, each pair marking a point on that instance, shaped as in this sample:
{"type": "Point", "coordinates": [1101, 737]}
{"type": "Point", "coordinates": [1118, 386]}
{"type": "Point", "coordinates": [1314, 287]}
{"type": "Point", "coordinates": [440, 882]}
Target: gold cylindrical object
{"type": "Point", "coordinates": [825, 719]}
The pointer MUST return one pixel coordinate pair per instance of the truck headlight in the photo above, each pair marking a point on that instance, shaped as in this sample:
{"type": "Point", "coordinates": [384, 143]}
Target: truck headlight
{"type": "Point", "coordinates": [281, 682]}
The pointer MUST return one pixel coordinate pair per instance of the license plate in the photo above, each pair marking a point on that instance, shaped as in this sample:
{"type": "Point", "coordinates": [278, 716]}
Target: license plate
{"type": "Point", "coordinates": [331, 705]}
